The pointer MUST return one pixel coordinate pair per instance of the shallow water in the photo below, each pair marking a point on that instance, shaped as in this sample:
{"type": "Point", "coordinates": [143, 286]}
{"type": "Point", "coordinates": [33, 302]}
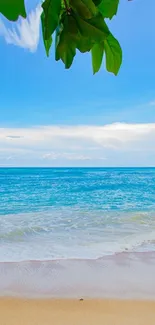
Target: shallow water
{"type": "Point", "coordinates": [124, 275]}
{"type": "Point", "coordinates": [75, 213]}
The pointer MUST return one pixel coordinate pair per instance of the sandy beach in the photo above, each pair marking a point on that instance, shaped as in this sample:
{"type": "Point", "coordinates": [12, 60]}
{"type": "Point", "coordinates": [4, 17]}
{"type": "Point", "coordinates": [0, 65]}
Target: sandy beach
{"type": "Point", "coordinates": [75, 312]}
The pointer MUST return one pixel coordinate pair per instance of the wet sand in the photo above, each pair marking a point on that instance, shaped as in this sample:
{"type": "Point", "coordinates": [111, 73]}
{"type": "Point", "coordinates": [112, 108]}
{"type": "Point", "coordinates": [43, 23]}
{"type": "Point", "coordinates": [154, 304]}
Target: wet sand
{"type": "Point", "coordinates": [75, 312]}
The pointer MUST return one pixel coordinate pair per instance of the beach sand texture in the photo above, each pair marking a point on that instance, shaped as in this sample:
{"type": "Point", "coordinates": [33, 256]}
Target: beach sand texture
{"type": "Point", "coordinates": [75, 312]}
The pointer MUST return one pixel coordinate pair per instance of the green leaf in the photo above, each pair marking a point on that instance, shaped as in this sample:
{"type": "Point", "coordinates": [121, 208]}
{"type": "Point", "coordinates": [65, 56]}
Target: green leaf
{"type": "Point", "coordinates": [85, 8]}
{"type": "Point", "coordinates": [113, 53]}
{"type": "Point", "coordinates": [12, 9]}
{"type": "Point", "coordinates": [47, 43]}
{"type": "Point", "coordinates": [108, 8]}
{"type": "Point", "coordinates": [52, 11]}
{"type": "Point", "coordinates": [66, 41]}
{"type": "Point", "coordinates": [94, 29]}
{"type": "Point", "coordinates": [97, 56]}
{"type": "Point", "coordinates": [84, 44]}
{"type": "Point", "coordinates": [62, 4]}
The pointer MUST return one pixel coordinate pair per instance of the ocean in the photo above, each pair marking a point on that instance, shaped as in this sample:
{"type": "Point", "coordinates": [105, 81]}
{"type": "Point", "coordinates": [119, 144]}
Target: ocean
{"type": "Point", "coordinates": [60, 228]}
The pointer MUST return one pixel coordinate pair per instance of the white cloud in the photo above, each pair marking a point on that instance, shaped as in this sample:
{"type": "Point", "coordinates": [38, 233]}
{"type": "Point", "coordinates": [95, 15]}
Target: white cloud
{"type": "Point", "coordinates": [24, 33]}
{"type": "Point", "coordinates": [67, 156]}
{"type": "Point", "coordinates": [117, 144]}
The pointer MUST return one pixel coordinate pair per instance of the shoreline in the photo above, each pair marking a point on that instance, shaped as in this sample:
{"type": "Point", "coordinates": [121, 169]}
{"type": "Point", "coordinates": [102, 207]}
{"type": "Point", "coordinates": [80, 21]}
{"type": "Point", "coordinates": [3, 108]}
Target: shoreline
{"type": "Point", "coordinates": [126, 276]}
{"type": "Point", "coordinates": [75, 312]}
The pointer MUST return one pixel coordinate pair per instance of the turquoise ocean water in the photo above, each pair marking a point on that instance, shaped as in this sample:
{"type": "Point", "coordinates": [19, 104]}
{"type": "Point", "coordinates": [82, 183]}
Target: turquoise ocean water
{"type": "Point", "coordinates": [79, 213]}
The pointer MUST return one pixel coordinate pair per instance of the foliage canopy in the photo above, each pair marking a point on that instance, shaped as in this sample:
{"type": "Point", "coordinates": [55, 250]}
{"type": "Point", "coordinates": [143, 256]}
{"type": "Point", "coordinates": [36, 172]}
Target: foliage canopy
{"type": "Point", "coordinates": [76, 25]}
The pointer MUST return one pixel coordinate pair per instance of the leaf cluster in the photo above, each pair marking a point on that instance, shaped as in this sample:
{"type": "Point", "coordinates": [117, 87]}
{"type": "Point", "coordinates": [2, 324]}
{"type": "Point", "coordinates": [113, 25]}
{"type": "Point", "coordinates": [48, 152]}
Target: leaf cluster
{"type": "Point", "coordinates": [76, 25]}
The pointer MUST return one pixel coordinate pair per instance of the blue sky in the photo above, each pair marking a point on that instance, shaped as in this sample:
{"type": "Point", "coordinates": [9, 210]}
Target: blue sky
{"type": "Point", "coordinates": [37, 93]}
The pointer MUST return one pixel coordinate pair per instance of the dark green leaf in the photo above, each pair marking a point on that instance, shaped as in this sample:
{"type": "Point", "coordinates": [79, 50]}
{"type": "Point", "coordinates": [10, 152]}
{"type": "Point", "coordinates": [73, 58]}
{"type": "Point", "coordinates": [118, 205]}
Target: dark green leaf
{"type": "Point", "coordinates": [94, 29]}
{"type": "Point", "coordinates": [85, 8]}
{"type": "Point", "coordinates": [12, 9]}
{"type": "Point", "coordinates": [97, 56]}
{"type": "Point", "coordinates": [113, 53]}
{"type": "Point", "coordinates": [66, 41]}
{"type": "Point", "coordinates": [52, 11]}
{"type": "Point", "coordinates": [97, 2]}
{"type": "Point", "coordinates": [47, 43]}
{"type": "Point", "coordinates": [108, 8]}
